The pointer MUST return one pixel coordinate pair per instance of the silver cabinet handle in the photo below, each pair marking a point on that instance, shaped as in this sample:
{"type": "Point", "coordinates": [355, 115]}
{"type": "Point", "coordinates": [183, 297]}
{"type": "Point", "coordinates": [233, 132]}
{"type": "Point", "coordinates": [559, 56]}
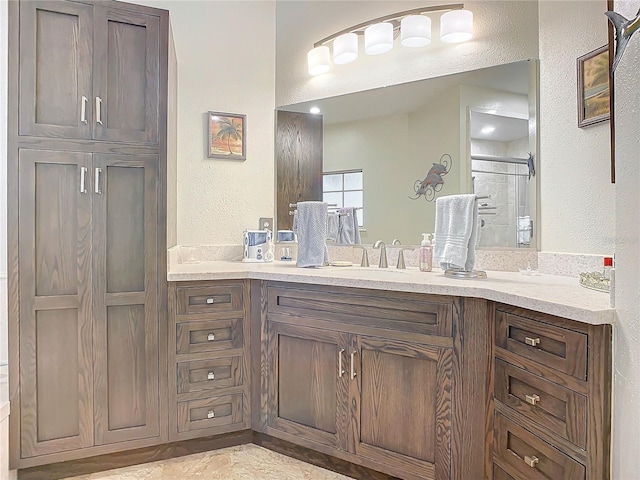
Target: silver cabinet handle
{"type": "Point", "coordinates": [210, 414]}
{"type": "Point", "coordinates": [209, 301]}
{"type": "Point", "coordinates": [532, 341]}
{"type": "Point", "coordinates": [353, 367]}
{"type": "Point", "coordinates": [83, 172]}
{"type": "Point", "coordinates": [83, 110]}
{"type": "Point", "coordinates": [211, 337]}
{"type": "Point", "coordinates": [211, 376]}
{"type": "Point", "coordinates": [96, 186]}
{"type": "Point", "coordinates": [532, 461]}
{"type": "Point", "coordinates": [340, 370]}
{"type": "Point", "coordinates": [532, 399]}
{"type": "Point", "coordinates": [99, 110]}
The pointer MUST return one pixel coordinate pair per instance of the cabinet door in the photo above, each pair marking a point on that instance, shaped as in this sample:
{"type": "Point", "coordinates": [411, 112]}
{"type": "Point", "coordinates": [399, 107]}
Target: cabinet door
{"type": "Point", "coordinates": [56, 54]}
{"type": "Point", "coordinates": [56, 411]}
{"type": "Point", "coordinates": [125, 294]}
{"type": "Point", "coordinates": [309, 392]}
{"type": "Point", "coordinates": [126, 75]}
{"type": "Point", "coordinates": [401, 405]}
{"type": "Point", "coordinates": [298, 162]}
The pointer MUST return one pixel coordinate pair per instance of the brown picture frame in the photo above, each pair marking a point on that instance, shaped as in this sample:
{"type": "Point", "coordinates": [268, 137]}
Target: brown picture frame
{"type": "Point", "coordinates": [593, 87]}
{"type": "Point", "coordinates": [226, 136]}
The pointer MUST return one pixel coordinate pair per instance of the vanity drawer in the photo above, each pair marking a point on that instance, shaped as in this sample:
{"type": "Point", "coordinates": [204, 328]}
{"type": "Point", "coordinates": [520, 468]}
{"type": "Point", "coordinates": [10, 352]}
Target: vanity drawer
{"type": "Point", "coordinates": [209, 299]}
{"type": "Point", "coordinates": [210, 413]}
{"type": "Point", "coordinates": [208, 336]}
{"type": "Point", "coordinates": [555, 347]}
{"type": "Point", "coordinates": [203, 375]}
{"type": "Point", "coordinates": [530, 456]}
{"type": "Point", "coordinates": [556, 408]}
{"type": "Point", "coordinates": [500, 474]}
{"type": "Point", "coordinates": [398, 311]}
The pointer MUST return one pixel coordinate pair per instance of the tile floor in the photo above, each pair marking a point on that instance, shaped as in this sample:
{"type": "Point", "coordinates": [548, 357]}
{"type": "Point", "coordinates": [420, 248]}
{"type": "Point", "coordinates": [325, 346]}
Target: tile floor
{"type": "Point", "coordinates": [244, 462]}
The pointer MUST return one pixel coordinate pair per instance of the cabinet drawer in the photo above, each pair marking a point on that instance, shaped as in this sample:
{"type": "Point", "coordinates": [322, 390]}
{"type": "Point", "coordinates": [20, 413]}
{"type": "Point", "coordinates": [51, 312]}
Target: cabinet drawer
{"type": "Point", "coordinates": [209, 374]}
{"type": "Point", "coordinates": [558, 409]}
{"type": "Point", "coordinates": [530, 456]}
{"type": "Point", "coordinates": [500, 474]}
{"type": "Point", "coordinates": [210, 299]}
{"type": "Point", "coordinates": [210, 413]}
{"type": "Point", "coordinates": [555, 347]}
{"type": "Point", "coordinates": [398, 311]}
{"type": "Point", "coordinates": [208, 336]}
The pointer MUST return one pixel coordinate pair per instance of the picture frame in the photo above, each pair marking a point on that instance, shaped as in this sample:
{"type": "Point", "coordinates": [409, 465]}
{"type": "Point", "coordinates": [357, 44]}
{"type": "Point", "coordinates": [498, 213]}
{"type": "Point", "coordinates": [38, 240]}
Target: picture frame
{"type": "Point", "coordinates": [226, 136]}
{"type": "Point", "coordinates": [593, 87]}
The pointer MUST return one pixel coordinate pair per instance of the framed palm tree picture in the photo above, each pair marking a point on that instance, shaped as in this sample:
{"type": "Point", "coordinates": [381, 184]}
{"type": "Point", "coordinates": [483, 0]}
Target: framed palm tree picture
{"type": "Point", "coordinates": [593, 87]}
{"type": "Point", "coordinates": [226, 136]}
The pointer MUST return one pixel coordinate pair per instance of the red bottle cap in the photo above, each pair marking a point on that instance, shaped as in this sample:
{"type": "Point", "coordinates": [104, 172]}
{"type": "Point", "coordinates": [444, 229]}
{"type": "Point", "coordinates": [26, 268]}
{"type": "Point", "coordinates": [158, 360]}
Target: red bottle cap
{"type": "Point", "coordinates": [608, 261]}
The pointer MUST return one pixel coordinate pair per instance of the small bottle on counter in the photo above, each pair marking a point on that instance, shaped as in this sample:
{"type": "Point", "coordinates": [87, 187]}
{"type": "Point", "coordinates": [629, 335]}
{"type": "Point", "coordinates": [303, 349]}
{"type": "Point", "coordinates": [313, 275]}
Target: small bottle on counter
{"type": "Point", "coordinates": [426, 254]}
{"type": "Point", "coordinates": [612, 284]}
{"type": "Point", "coordinates": [608, 265]}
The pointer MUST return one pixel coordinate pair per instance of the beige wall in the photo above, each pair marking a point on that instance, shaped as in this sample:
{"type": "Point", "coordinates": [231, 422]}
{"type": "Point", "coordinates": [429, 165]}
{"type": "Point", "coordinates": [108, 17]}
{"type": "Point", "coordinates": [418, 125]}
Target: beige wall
{"type": "Point", "coordinates": [226, 55]}
{"type": "Point", "coordinates": [626, 389]}
{"type": "Point", "coordinates": [576, 196]}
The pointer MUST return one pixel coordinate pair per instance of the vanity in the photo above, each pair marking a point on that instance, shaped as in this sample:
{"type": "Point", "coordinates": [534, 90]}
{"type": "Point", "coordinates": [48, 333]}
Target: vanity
{"type": "Point", "coordinates": [412, 374]}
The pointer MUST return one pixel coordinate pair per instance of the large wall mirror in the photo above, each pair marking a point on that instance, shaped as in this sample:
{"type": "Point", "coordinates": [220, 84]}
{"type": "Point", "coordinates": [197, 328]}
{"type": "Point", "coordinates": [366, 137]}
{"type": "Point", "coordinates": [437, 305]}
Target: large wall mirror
{"type": "Point", "coordinates": [391, 151]}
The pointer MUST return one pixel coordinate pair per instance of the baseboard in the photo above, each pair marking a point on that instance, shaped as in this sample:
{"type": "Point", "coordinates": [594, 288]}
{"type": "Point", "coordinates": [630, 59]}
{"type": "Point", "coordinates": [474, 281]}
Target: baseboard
{"type": "Point", "coordinates": [85, 466]}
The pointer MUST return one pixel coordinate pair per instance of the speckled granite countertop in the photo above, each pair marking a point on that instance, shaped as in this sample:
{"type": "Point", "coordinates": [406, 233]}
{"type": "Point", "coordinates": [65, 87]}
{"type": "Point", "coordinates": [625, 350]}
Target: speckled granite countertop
{"type": "Point", "coordinates": [555, 295]}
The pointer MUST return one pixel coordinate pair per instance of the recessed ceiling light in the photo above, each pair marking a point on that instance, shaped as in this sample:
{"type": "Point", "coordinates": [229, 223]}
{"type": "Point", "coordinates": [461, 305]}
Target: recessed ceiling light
{"type": "Point", "coordinates": [487, 130]}
{"type": "Point", "coordinates": [314, 110]}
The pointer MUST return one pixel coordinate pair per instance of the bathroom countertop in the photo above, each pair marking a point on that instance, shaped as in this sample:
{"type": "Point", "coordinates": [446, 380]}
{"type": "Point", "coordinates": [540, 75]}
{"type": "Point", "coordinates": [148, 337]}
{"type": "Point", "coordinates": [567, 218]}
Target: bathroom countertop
{"type": "Point", "coordinates": [555, 295]}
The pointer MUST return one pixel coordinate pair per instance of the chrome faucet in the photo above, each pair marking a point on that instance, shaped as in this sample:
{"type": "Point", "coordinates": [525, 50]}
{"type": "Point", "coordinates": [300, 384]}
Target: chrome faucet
{"type": "Point", "coordinates": [383, 253]}
{"type": "Point", "coordinates": [400, 265]}
{"type": "Point", "coordinates": [365, 256]}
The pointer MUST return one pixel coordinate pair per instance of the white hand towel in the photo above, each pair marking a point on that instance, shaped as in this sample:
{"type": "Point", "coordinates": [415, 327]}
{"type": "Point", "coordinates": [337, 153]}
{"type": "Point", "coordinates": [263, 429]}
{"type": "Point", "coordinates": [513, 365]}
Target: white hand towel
{"type": "Point", "coordinates": [456, 231]}
{"type": "Point", "coordinates": [310, 225]}
{"type": "Point", "coordinates": [348, 231]}
{"type": "Point", "coordinates": [332, 227]}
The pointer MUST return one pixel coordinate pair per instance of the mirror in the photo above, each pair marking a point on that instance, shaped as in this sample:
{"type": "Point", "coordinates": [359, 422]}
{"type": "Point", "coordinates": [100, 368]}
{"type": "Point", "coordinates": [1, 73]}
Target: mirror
{"type": "Point", "coordinates": [415, 142]}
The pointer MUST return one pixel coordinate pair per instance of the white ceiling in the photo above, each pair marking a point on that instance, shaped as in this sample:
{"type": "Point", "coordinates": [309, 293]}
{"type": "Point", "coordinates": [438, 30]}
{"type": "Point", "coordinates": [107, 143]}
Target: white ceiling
{"type": "Point", "coordinates": [407, 97]}
{"type": "Point", "coordinates": [507, 129]}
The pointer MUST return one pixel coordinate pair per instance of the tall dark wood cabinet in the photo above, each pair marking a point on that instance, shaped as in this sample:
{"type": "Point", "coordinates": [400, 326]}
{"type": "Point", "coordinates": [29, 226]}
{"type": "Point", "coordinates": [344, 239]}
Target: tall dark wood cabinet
{"type": "Point", "coordinates": [87, 181]}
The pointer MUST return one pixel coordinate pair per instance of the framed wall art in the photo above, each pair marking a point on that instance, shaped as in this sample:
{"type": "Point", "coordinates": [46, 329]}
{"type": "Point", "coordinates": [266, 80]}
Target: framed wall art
{"type": "Point", "coordinates": [226, 136]}
{"type": "Point", "coordinates": [593, 87]}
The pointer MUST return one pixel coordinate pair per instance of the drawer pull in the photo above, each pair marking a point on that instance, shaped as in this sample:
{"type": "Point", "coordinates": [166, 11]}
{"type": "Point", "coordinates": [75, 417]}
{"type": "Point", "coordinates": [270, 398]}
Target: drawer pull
{"type": "Point", "coordinates": [353, 366]}
{"type": "Point", "coordinates": [210, 414]}
{"type": "Point", "coordinates": [532, 341]}
{"type": "Point", "coordinates": [531, 461]}
{"type": "Point", "coordinates": [532, 399]}
{"type": "Point", "coordinates": [211, 376]}
{"type": "Point", "coordinates": [209, 301]}
{"type": "Point", "coordinates": [211, 337]}
{"type": "Point", "coordinates": [340, 369]}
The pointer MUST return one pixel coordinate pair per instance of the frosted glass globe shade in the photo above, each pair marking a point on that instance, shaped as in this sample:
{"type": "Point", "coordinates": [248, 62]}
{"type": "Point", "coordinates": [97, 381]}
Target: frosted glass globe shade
{"type": "Point", "coordinates": [319, 60]}
{"type": "Point", "coordinates": [456, 26]}
{"type": "Point", "coordinates": [345, 48]}
{"type": "Point", "coordinates": [378, 38]}
{"type": "Point", "coordinates": [415, 31]}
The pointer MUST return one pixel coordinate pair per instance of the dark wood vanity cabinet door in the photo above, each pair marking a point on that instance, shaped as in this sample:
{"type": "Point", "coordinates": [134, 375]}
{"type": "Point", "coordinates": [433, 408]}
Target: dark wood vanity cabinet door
{"type": "Point", "coordinates": [308, 392]}
{"type": "Point", "coordinates": [298, 162]}
{"type": "Point", "coordinates": [56, 407]}
{"type": "Point", "coordinates": [125, 297]}
{"type": "Point", "coordinates": [401, 405]}
{"type": "Point", "coordinates": [56, 51]}
{"type": "Point", "coordinates": [126, 75]}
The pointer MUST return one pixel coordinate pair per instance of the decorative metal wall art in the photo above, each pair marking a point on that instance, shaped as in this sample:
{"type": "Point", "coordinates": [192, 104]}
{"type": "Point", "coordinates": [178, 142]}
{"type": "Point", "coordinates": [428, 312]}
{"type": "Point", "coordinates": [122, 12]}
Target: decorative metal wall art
{"type": "Point", "coordinates": [433, 182]}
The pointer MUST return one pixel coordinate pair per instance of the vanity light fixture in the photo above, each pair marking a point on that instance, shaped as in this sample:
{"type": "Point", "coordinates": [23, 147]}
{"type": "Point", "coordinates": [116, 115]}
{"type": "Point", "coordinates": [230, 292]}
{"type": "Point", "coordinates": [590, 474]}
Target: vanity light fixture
{"type": "Point", "coordinates": [314, 110]}
{"type": "Point", "coordinates": [413, 26]}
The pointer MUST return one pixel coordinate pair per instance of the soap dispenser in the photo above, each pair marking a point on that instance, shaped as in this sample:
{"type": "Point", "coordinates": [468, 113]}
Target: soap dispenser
{"type": "Point", "coordinates": [426, 254]}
